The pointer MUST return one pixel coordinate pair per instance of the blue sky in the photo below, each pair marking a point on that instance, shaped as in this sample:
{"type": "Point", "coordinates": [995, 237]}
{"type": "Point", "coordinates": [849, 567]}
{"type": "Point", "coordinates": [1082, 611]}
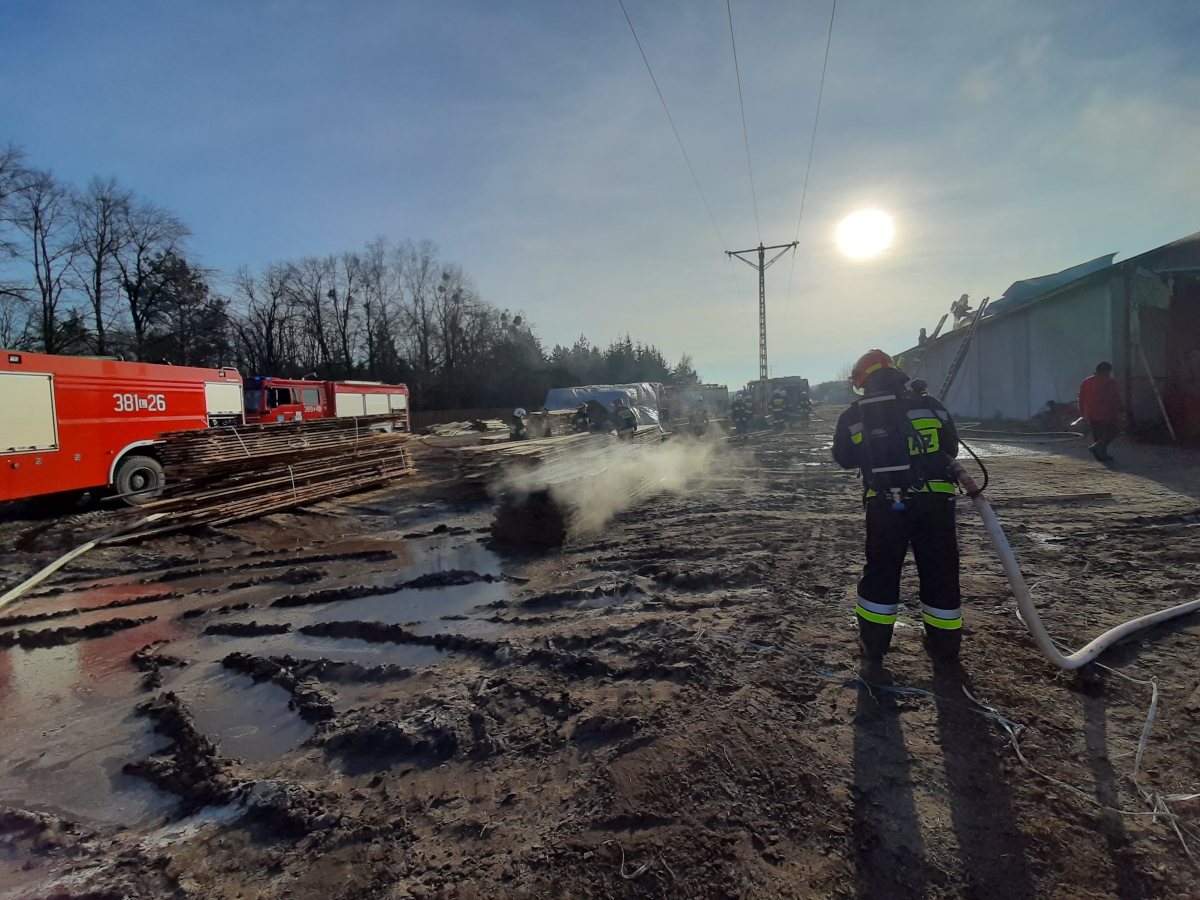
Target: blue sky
{"type": "Point", "coordinates": [1007, 139]}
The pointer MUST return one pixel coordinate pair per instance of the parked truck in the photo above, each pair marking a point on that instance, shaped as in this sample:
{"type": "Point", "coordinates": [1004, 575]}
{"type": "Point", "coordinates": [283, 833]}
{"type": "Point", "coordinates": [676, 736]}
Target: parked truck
{"type": "Point", "coordinates": [77, 423]}
{"type": "Point", "coordinates": [294, 400]}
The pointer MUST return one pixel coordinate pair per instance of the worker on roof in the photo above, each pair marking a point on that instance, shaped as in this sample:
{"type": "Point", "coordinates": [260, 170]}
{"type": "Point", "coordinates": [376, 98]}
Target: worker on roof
{"type": "Point", "coordinates": [1100, 403]}
{"type": "Point", "coordinates": [580, 421]}
{"type": "Point", "coordinates": [517, 430]}
{"type": "Point", "coordinates": [903, 443]}
{"type": "Point", "coordinates": [626, 418]}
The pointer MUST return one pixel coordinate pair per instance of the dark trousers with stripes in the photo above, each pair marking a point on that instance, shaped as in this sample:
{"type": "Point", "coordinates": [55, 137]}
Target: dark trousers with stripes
{"type": "Point", "coordinates": [927, 524]}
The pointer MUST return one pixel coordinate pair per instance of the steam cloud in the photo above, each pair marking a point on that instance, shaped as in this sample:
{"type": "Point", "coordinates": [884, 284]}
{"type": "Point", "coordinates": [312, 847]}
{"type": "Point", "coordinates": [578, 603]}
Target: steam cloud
{"type": "Point", "coordinates": [591, 486]}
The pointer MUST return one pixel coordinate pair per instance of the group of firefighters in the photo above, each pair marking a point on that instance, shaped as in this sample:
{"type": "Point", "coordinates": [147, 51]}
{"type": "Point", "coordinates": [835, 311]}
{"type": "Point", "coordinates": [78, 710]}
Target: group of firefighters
{"type": "Point", "coordinates": [591, 416]}
{"type": "Point", "coordinates": [594, 416]}
{"type": "Point", "coordinates": [783, 410]}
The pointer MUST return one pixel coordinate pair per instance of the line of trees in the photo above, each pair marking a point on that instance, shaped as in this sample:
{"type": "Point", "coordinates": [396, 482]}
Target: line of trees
{"type": "Point", "coordinates": [101, 271]}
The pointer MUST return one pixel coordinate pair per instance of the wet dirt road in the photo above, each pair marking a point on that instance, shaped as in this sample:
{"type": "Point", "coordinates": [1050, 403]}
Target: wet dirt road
{"type": "Point", "coordinates": [366, 701]}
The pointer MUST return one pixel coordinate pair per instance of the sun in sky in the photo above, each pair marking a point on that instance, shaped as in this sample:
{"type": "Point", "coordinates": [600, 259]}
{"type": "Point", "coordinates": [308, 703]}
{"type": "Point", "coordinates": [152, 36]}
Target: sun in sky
{"type": "Point", "coordinates": [865, 233]}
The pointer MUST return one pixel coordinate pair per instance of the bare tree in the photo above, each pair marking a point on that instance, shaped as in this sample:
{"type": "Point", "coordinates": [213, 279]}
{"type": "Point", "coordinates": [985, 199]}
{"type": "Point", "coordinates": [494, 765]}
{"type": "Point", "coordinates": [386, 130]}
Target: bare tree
{"type": "Point", "coordinates": [40, 211]}
{"type": "Point", "coordinates": [264, 329]}
{"type": "Point", "coordinates": [465, 326]}
{"type": "Point", "coordinates": [14, 295]}
{"type": "Point", "coordinates": [310, 282]}
{"type": "Point", "coordinates": [14, 174]}
{"type": "Point", "coordinates": [147, 236]}
{"type": "Point", "coordinates": [345, 299]}
{"type": "Point", "coordinates": [99, 213]}
{"type": "Point", "coordinates": [420, 274]}
{"type": "Point", "coordinates": [380, 289]}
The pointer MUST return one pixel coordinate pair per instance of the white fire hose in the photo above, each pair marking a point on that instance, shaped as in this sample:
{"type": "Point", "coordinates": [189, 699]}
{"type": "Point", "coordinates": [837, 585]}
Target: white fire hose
{"type": "Point", "coordinates": [1029, 612]}
{"type": "Point", "coordinates": [67, 557]}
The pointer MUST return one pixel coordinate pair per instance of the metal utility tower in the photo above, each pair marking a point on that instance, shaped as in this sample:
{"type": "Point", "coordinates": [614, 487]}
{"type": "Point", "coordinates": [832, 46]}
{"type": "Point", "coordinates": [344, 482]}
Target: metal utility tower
{"type": "Point", "coordinates": [762, 266]}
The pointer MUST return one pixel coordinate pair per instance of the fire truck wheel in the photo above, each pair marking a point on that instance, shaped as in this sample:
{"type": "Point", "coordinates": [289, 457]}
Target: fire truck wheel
{"type": "Point", "coordinates": [139, 479]}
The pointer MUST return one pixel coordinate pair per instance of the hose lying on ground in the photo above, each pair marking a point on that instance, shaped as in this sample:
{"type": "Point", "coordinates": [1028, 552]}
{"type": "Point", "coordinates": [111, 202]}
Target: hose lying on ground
{"type": "Point", "coordinates": [67, 557]}
{"type": "Point", "coordinates": [1025, 603]}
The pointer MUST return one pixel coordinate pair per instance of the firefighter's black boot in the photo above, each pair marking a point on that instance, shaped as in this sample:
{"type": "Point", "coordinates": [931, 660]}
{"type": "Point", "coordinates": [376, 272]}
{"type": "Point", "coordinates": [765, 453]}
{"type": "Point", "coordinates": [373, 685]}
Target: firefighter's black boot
{"type": "Point", "coordinates": [943, 645]}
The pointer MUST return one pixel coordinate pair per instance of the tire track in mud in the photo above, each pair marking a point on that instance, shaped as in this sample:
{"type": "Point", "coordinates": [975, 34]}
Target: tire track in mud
{"type": "Point", "coordinates": [57, 637]}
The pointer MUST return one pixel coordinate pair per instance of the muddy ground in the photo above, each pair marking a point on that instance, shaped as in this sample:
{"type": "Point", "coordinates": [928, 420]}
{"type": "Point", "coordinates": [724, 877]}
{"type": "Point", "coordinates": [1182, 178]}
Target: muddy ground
{"type": "Point", "coordinates": [364, 699]}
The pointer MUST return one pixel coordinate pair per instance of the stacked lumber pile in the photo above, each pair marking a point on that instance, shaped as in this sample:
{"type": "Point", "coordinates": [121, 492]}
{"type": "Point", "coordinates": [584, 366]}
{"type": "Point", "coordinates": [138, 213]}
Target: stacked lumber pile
{"type": "Point", "coordinates": [476, 426]}
{"type": "Point", "coordinates": [224, 475]}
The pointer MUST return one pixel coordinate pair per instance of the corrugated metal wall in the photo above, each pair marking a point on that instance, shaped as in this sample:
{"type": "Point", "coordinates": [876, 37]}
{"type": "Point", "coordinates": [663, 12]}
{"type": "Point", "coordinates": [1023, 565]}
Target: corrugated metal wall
{"type": "Point", "coordinates": [1042, 352]}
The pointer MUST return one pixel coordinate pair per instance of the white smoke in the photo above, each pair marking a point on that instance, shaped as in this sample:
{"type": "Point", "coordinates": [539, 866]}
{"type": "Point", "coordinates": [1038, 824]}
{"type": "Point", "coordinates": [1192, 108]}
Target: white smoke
{"type": "Point", "coordinates": [591, 484]}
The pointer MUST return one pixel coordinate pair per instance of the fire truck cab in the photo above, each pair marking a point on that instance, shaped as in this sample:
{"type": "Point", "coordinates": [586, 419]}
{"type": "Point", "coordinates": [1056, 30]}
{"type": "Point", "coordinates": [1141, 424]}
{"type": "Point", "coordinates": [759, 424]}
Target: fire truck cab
{"type": "Point", "coordinates": [293, 400]}
{"type": "Point", "coordinates": [75, 423]}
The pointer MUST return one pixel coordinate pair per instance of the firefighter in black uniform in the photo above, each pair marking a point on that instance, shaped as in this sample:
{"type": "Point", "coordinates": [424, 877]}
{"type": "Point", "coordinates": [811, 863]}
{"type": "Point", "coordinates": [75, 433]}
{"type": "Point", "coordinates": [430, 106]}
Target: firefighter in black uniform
{"type": "Point", "coordinates": [804, 408]}
{"type": "Point", "coordinates": [517, 430]}
{"type": "Point", "coordinates": [580, 421]}
{"type": "Point", "coordinates": [740, 411]}
{"type": "Point", "coordinates": [903, 443]}
{"type": "Point", "coordinates": [779, 409]}
{"type": "Point", "coordinates": [626, 419]}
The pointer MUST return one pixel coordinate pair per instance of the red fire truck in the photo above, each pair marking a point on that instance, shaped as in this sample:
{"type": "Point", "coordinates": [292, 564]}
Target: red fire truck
{"type": "Point", "coordinates": [291, 400]}
{"type": "Point", "coordinates": [72, 423]}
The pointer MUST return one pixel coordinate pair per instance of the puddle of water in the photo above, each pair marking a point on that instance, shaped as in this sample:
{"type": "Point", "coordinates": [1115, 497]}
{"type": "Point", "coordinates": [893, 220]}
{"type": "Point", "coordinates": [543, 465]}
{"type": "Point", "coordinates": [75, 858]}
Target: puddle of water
{"type": "Point", "coordinates": [1045, 539]}
{"type": "Point", "coordinates": [302, 646]}
{"type": "Point", "coordinates": [67, 719]}
{"type": "Point", "coordinates": [441, 554]}
{"type": "Point", "coordinates": [91, 598]}
{"type": "Point", "coordinates": [989, 449]}
{"type": "Point", "coordinates": [67, 726]}
{"type": "Point", "coordinates": [420, 609]}
{"type": "Point", "coordinates": [245, 720]}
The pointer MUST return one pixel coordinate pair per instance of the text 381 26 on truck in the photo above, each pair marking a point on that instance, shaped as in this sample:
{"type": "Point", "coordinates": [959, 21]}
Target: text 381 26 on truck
{"type": "Point", "coordinates": [74, 423]}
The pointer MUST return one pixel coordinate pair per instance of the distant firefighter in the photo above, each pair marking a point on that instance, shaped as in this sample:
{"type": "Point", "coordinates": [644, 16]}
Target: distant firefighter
{"type": "Point", "coordinates": [580, 421]}
{"type": "Point", "coordinates": [626, 418]}
{"type": "Point", "coordinates": [598, 416]}
{"type": "Point", "coordinates": [517, 430]}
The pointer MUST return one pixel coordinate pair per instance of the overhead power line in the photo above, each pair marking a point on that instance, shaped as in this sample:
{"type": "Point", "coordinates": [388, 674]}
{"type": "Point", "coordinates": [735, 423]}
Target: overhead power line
{"type": "Point", "coordinates": [682, 150]}
{"type": "Point", "coordinates": [742, 106]}
{"type": "Point", "coordinates": [678, 139]}
{"type": "Point", "coordinates": [812, 145]}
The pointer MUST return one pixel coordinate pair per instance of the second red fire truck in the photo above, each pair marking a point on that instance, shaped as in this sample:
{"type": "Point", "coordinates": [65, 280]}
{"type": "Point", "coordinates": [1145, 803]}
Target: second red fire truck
{"type": "Point", "coordinates": [294, 400]}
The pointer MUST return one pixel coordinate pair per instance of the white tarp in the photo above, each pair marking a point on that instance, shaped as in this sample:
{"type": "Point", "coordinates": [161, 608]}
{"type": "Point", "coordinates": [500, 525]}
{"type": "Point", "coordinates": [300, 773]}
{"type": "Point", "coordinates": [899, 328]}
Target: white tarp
{"type": "Point", "coordinates": [642, 398]}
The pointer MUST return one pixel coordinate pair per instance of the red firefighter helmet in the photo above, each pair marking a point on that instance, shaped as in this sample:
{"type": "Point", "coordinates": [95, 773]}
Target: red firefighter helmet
{"type": "Point", "coordinates": [871, 361]}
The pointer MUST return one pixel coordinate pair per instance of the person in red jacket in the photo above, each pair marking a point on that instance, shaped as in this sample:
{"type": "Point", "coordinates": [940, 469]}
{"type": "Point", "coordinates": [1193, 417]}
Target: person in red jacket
{"type": "Point", "coordinates": [1100, 403]}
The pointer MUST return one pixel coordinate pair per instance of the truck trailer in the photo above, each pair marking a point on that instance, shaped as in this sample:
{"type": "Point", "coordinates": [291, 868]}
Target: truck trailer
{"type": "Point", "coordinates": [76, 423]}
{"type": "Point", "coordinates": [294, 400]}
